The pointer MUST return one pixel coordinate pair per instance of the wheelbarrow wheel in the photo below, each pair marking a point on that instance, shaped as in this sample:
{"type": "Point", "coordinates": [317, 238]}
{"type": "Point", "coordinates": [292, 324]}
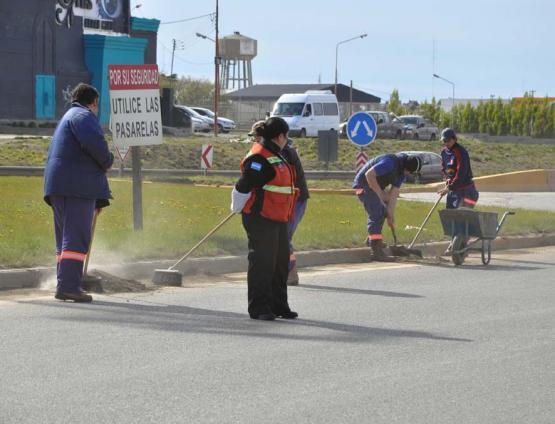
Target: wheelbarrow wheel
{"type": "Point", "coordinates": [486, 251]}
{"type": "Point", "coordinates": [458, 244]}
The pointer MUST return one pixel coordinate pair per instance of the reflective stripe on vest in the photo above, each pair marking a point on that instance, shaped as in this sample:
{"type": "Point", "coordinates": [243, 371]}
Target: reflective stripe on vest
{"type": "Point", "coordinates": [278, 189]}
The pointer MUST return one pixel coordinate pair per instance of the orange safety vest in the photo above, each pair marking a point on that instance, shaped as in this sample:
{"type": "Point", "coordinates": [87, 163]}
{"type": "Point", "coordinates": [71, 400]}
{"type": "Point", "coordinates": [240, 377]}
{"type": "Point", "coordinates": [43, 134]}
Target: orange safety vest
{"type": "Point", "coordinates": [279, 194]}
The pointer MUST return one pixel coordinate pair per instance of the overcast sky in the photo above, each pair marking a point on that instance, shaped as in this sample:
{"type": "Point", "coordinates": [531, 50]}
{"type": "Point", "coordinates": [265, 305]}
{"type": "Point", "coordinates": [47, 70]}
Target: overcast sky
{"type": "Point", "coordinates": [486, 47]}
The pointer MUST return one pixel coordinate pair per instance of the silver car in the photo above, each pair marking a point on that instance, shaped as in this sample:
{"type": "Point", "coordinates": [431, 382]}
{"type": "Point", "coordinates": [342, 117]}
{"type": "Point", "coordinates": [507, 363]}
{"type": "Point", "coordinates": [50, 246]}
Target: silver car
{"type": "Point", "coordinates": [419, 128]}
{"type": "Point", "coordinates": [431, 167]}
{"type": "Point", "coordinates": [225, 125]}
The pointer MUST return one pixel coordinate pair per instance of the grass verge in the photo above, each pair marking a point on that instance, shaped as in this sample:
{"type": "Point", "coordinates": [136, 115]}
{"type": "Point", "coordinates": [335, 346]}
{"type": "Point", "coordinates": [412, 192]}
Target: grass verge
{"type": "Point", "coordinates": [184, 153]}
{"type": "Point", "coordinates": [176, 216]}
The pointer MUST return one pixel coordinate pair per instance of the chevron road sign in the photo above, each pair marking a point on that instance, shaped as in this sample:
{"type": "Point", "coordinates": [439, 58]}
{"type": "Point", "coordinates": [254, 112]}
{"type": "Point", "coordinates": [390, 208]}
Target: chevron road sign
{"type": "Point", "coordinates": [206, 157]}
{"type": "Point", "coordinates": [361, 160]}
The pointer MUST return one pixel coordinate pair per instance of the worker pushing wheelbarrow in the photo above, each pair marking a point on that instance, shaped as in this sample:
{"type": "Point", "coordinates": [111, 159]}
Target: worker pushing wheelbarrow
{"type": "Point", "coordinates": [462, 224]}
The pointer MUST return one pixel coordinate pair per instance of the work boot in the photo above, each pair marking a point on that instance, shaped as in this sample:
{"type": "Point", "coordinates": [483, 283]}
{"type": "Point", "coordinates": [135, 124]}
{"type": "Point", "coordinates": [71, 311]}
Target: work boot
{"type": "Point", "coordinates": [378, 251]}
{"type": "Point", "coordinates": [264, 317]}
{"type": "Point", "coordinates": [80, 297]}
{"type": "Point", "coordinates": [293, 277]}
{"type": "Point", "coordinates": [288, 315]}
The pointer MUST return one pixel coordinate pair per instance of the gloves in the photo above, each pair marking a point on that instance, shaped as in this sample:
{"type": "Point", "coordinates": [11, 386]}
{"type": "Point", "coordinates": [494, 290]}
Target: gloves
{"type": "Point", "coordinates": [239, 200]}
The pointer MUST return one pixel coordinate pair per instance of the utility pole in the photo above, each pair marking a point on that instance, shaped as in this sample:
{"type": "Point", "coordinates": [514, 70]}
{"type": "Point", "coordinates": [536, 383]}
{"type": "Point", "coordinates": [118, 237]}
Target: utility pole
{"type": "Point", "coordinates": [173, 54]}
{"type": "Point", "coordinates": [351, 99]}
{"type": "Point", "coordinates": [217, 60]}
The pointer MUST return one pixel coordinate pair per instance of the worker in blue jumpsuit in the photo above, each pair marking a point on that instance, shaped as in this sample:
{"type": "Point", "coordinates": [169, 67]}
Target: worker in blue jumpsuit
{"type": "Point", "coordinates": [370, 185]}
{"type": "Point", "coordinates": [75, 183]}
{"type": "Point", "coordinates": [459, 184]}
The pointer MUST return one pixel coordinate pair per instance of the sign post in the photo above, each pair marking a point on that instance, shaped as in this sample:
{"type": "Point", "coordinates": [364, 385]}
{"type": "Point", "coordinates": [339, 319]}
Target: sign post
{"type": "Point", "coordinates": [135, 119]}
{"type": "Point", "coordinates": [361, 130]}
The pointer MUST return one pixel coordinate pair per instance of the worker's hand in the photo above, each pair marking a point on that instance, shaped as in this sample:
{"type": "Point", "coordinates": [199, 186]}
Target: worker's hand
{"type": "Point", "coordinates": [239, 200]}
{"type": "Point", "coordinates": [443, 191]}
{"type": "Point", "coordinates": [385, 197]}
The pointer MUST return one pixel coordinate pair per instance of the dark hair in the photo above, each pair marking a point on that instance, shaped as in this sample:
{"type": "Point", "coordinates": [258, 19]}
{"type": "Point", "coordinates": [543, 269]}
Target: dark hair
{"type": "Point", "coordinates": [257, 129]}
{"type": "Point", "coordinates": [412, 164]}
{"type": "Point", "coordinates": [273, 127]}
{"type": "Point", "coordinates": [84, 94]}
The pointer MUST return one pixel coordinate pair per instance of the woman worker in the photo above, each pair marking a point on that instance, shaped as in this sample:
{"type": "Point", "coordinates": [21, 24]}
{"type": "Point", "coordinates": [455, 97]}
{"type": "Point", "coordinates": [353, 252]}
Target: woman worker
{"type": "Point", "coordinates": [292, 157]}
{"type": "Point", "coordinates": [265, 195]}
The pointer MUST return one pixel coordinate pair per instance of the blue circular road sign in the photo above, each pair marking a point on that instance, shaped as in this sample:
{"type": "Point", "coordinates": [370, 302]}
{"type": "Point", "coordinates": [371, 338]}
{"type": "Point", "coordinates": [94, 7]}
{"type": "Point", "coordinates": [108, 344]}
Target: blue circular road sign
{"type": "Point", "coordinates": [361, 128]}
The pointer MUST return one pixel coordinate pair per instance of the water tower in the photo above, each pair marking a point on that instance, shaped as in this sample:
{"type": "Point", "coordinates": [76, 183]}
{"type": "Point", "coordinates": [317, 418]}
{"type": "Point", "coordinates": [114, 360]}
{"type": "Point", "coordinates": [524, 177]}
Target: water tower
{"type": "Point", "coordinates": [237, 53]}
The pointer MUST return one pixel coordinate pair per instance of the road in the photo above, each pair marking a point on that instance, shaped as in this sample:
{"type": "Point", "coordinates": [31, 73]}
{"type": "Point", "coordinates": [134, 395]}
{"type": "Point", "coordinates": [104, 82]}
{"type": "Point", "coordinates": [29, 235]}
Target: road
{"type": "Point", "coordinates": [375, 343]}
{"type": "Point", "coordinates": [542, 201]}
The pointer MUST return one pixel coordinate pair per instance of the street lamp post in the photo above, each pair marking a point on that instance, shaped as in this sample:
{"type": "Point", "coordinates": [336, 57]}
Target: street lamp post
{"type": "Point", "coordinates": [217, 60]}
{"type": "Point", "coordinates": [337, 53]}
{"type": "Point", "coordinates": [453, 104]}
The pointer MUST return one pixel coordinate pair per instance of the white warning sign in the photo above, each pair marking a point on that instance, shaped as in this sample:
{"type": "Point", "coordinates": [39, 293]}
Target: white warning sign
{"type": "Point", "coordinates": [135, 118]}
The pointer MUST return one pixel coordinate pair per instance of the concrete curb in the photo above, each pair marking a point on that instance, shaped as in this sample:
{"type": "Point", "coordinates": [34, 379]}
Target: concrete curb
{"type": "Point", "coordinates": [32, 277]}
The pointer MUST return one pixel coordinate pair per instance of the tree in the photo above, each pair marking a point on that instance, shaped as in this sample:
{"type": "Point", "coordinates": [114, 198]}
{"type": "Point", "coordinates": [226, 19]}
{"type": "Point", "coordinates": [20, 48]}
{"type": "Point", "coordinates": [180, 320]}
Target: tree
{"type": "Point", "coordinates": [189, 91]}
{"type": "Point", "coordinates": [394, 105]}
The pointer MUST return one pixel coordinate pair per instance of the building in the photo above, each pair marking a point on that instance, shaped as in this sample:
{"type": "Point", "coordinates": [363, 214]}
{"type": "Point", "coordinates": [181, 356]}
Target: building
{"type": "Point", "coordinates": [250, 104]}
{"type": "Point", "coordinates": [48, 46]}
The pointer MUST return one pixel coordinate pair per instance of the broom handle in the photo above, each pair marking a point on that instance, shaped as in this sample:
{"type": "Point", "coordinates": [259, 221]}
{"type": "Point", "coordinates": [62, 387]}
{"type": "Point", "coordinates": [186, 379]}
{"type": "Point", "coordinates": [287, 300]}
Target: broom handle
{"type": "Point", "coordinates": [425, 221]}
{"type": "Point", "coordinates": [392, 227]}
{"type": "Point", "coordinates": [216, 228]}
{"type": "Point", "coordinates": [86, 266]}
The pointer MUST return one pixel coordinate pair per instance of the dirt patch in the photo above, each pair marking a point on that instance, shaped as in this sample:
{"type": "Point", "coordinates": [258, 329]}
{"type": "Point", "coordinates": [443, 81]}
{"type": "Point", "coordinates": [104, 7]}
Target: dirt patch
{"type": "Point", "coordinates": [103, 282]}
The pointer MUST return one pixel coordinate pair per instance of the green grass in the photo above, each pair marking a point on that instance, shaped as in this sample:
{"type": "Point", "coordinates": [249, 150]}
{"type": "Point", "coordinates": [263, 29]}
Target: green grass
{"type": "Point", "coordinates": [179, 153]}
{"type": "Point", "coordinates": [176, 216]}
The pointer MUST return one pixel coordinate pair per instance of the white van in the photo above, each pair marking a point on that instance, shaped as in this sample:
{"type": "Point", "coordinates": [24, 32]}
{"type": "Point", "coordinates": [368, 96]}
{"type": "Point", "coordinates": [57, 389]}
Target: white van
{"type": "Point", "coordinates": [308, 112]}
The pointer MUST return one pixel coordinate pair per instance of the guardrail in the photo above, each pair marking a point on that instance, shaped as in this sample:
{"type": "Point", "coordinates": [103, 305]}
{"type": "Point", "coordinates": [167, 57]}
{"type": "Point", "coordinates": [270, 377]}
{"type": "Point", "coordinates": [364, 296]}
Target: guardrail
{"type": "Point", "coordinates": [30, 171]}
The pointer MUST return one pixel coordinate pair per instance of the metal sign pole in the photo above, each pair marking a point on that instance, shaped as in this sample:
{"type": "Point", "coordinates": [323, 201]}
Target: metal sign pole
{"type": "Point", "coordinates": [137, 189]}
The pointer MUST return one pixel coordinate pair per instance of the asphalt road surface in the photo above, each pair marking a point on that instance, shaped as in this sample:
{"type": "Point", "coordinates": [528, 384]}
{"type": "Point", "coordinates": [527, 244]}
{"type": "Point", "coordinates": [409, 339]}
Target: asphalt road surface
{"type": "Point", "coordinates": [395, 343]}
{"type": "Point", "coordinates": [542, 201]}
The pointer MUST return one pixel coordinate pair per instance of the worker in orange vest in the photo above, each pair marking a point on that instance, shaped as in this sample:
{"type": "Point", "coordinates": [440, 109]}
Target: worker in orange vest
{"type": "Point", "coordinates": [265, 196]}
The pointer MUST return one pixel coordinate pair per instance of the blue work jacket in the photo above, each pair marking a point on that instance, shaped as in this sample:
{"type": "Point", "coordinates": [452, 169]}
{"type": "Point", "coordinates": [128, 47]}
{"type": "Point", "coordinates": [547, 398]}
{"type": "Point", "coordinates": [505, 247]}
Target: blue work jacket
{"type": "Point", "coordinates": [78, 158]}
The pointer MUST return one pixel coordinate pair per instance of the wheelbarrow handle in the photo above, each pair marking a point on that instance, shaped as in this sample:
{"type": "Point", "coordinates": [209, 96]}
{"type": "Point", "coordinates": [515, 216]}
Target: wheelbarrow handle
{"type": "Point", "coordinates": [503, 218]}
{"type": "Point", "coordinates": [426, 220]}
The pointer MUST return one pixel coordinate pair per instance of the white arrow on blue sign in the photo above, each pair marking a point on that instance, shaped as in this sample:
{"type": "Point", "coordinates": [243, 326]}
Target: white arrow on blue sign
{"type": "Point", "coordinates": [361, 128]}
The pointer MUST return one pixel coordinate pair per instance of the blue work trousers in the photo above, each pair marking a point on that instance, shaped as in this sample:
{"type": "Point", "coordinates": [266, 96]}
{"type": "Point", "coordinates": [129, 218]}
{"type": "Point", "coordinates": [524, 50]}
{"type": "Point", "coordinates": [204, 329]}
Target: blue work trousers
{"type": "Point", "coordinates": [467, 197]}
{"type": "Point", "coordinates": [376, 213]}
{"type": "Point", "coordinates": [300, 209]}
{"type": "Point", "coordinates": [72, 224]}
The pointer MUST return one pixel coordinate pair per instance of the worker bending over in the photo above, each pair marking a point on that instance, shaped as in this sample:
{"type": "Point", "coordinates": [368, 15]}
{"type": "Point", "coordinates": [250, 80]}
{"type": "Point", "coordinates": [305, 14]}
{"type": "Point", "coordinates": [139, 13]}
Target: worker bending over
{"type": "Point", "coordinates": [370, 185]}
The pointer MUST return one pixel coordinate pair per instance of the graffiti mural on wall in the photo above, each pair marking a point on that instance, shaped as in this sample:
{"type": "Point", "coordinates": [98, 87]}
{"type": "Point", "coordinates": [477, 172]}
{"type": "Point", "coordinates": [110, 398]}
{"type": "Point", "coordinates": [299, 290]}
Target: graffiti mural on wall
{"type": "Point", "coordinates": [104, 15]}
{"type": "Point", "coordinates": [64, 12]}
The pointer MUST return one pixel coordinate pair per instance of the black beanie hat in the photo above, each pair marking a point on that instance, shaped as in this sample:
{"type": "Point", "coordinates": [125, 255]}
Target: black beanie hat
{"type": "Point", "coordinates": [413, 164]}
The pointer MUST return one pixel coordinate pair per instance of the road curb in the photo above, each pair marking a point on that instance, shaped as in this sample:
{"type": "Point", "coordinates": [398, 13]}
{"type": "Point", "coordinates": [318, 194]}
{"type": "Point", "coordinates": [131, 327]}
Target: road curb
{"type": "Point", "coordinates": [33, 277]}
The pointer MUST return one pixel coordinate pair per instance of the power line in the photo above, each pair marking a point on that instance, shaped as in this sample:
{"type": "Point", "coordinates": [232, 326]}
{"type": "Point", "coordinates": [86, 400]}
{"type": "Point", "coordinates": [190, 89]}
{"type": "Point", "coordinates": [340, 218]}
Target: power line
{"type": "Point", "coordinates": [169, 50]}
{"type": "Point", "coordinates": [188, 19]}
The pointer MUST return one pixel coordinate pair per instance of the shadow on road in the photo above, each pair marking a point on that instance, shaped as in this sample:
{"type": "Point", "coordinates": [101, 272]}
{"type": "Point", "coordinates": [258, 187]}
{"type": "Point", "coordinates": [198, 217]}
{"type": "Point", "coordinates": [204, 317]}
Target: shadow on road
{"type": "Point", "coordinates": [185, 319]}
{"type": "Point", "coordinates": [360, 291]}
{"type": "Point", "coordinates": [479, 266]}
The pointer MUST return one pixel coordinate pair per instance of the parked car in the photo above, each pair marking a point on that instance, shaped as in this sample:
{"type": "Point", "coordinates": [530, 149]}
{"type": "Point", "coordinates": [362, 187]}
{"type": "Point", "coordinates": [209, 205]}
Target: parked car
{"type": "Point", "coordinates": [224, 125]}
{"type": "Point", "coordinates": [184, 118]}
{"type": "Point", "coordinates": [419, 128]}
{"type": "Point", "coordinates": [431, 167]}
{"type": "Point", "coordinates": [309, 112]}
{"type": "Point", "coordinates": [201, 123]}
{"type": "Point", "coordinates": [389, 125]}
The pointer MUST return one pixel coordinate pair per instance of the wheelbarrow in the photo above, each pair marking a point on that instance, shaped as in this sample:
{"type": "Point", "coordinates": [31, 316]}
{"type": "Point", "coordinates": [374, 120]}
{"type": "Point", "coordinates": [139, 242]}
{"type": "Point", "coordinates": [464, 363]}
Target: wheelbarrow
{"type": "Point", "coordinates": [462, 224]}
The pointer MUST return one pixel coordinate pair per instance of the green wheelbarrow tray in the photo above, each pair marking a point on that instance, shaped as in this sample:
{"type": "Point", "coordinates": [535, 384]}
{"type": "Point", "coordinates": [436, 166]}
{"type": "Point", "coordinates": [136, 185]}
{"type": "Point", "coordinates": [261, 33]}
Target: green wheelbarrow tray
{"type": "Point", "coordinates": [463, 223]}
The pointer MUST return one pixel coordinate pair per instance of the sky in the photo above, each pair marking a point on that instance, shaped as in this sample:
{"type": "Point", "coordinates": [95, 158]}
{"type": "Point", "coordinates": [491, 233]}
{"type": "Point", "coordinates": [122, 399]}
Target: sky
{"type": "Point", "coordinates": [485, 47]}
